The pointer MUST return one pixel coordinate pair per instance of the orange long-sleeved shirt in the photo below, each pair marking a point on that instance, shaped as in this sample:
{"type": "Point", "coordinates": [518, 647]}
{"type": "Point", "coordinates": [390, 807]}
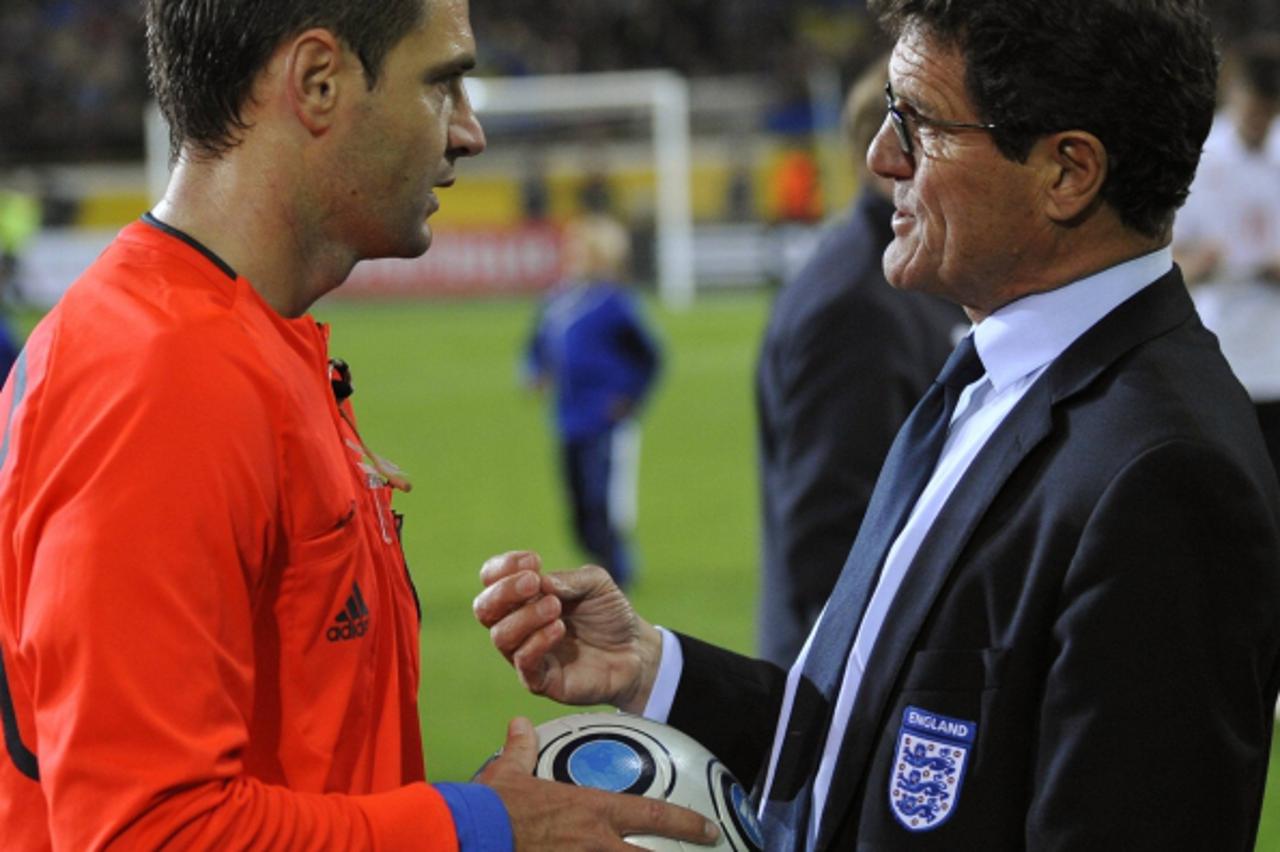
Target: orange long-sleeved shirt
{"type": "Point", "coordinates": [208, 635]}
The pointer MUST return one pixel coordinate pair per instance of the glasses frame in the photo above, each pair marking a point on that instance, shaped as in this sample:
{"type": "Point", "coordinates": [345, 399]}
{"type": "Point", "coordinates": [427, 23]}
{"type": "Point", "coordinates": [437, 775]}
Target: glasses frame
{"type": "Point", "coordinates": [899, 122]}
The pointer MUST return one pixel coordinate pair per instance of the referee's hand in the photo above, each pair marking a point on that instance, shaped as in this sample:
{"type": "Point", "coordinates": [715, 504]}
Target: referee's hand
{"type": "Point", "coordinates": [547, 815]}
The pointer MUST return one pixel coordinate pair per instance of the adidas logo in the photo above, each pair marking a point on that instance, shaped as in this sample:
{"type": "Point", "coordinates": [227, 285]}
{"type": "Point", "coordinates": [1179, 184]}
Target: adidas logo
{"type": "Point", "coordinates": [353, 621]}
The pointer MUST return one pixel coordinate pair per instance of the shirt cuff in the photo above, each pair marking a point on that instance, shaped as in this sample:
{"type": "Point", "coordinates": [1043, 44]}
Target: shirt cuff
{"type": "Point", "coordinates": [479, 817]}
{"type": "Point", "coordinates": [670, 667]}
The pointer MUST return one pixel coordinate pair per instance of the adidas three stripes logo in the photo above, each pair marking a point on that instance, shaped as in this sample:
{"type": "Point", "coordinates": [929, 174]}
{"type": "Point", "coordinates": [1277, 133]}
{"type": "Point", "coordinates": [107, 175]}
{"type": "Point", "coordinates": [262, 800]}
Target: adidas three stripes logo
{"type": "Point", "coordinates": [353, 620]}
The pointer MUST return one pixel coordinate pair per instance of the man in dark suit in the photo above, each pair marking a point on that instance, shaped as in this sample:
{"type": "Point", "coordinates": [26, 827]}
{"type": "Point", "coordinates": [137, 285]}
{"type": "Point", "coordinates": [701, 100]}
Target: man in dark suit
{"type": "Point", "coordinates": [1069, 636]}
{"type": "Point", "coordinates": [844, 359]}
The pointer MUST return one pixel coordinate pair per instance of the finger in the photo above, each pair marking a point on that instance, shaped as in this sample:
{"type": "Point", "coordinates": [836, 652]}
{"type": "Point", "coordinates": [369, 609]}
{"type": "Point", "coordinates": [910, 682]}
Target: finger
{"type": "Point", "coordinates": [513, 630]}
{"type": "Point", "coordinates": [521, 747]}
{"type": "Point", "coordinates": [505, 596]}
{"type": "Point", "coordinates": [533, 662]}
{"type": "Point", "coordinates": [641, 815]}
{"type": "Point", "coordinates": [504, 564]}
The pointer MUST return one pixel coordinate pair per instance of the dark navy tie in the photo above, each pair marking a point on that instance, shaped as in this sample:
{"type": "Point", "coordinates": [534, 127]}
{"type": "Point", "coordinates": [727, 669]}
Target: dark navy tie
{"type": "Point", "coordinates": [906, 470]}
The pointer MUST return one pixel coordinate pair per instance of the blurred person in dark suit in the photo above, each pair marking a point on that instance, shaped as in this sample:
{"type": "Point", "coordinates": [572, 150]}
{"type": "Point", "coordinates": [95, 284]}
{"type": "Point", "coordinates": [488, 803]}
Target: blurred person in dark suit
{"type": "Point", "coordinates": [844, 358]}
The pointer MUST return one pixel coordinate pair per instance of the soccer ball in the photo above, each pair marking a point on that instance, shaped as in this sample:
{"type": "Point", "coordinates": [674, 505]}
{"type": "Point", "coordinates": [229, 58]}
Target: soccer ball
{"type": "Point", "coordinates": [622, 753]}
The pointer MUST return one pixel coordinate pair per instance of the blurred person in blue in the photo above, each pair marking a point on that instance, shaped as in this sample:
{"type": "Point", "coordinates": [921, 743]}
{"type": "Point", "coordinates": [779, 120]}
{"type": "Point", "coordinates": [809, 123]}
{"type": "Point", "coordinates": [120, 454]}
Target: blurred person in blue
{"type": "Point", "coordinates": [591, 344]}
{"type": "Point", "coordinates": [1227, 238]}
{"type": "Point", "coordinates": [844, 359]}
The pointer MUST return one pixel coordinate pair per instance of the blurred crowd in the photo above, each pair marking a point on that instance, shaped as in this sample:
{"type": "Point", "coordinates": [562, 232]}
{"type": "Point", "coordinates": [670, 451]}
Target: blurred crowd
{"type": "Point", "coordinates": [73, 80]}
{"type": "Point", "coordinates": [694, 36]}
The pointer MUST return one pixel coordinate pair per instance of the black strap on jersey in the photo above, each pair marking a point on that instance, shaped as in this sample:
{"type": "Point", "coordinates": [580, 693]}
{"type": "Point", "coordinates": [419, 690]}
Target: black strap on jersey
{"type": "Point", "coordinates": [23, 758]}
{"type": "Point", "coordinates": [340, 379]}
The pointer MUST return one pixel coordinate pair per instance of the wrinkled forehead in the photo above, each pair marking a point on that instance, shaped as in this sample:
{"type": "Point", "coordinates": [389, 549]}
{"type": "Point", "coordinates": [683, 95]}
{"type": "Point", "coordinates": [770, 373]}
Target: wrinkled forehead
{"type": "Point", "coordinates": [927, 71]}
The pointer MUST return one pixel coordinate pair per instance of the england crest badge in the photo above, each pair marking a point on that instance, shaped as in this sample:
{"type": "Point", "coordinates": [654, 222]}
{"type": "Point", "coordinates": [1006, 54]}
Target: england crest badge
{"type": "Point", "coordinates": [925, 782]}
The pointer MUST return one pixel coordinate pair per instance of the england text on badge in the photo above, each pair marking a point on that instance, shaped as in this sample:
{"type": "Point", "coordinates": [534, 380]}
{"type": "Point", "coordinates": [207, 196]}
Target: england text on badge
{"type": "Point", "coordinates": [928, 768]}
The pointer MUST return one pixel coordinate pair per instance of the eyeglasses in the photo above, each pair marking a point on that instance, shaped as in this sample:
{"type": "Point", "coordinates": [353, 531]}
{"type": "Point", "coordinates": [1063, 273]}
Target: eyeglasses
{"type": "Point", "coordinates": [899, 122]}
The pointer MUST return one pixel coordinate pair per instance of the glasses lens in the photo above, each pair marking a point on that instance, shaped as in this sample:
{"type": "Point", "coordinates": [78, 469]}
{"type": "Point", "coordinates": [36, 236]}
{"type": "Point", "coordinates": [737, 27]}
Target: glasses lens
{"type": "Point", "coordinates": [904, 136]}
{"type": "Point", "coordinates": [899, 123]}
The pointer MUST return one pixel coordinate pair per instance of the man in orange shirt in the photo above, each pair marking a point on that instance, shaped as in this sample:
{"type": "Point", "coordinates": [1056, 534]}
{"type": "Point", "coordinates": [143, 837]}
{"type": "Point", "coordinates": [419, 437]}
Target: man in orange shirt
{"type": "Point", "coordinates": [208, 638]}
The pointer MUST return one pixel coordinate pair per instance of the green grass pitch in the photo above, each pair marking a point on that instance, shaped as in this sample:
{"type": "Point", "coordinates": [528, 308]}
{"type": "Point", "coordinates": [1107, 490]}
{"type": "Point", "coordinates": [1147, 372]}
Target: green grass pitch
{"type": "Point", "coordinates": [436, 391]}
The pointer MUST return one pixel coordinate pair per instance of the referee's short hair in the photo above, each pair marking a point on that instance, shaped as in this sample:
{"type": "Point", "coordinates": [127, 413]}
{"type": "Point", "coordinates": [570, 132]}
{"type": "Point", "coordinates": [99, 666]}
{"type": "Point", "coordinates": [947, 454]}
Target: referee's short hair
{"type": "Point", "coordinates": [205, 55]}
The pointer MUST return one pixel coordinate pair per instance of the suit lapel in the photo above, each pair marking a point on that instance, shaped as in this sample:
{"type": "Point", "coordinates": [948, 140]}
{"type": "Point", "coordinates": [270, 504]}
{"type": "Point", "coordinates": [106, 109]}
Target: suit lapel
{"type": "Point", "coordinates": [1151, 312]}
{"type": "Point", "coordinates": [1025, 427]}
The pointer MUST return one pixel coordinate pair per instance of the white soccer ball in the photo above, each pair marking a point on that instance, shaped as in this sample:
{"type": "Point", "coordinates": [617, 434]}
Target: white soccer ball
{"type": "Point", "coordinates": [622, 753]}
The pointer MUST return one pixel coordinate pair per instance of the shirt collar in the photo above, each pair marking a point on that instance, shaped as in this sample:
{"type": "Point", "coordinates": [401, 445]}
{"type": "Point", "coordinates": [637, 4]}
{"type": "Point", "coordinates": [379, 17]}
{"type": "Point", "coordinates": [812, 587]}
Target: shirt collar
{"type": "Point", "coordinates": [1028, 333]}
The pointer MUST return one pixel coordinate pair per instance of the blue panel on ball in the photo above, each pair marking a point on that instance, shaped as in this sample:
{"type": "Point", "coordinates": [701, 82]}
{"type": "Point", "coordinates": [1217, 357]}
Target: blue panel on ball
{"type": "Point", "coordinates": [606, 764]}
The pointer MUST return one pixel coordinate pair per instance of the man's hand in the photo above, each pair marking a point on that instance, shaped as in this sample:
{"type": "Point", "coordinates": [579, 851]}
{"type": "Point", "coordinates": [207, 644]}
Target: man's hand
{"type": "Point", "coordinates": [572, 636]}
{"type": "Point", "coordinates": [546, 815]}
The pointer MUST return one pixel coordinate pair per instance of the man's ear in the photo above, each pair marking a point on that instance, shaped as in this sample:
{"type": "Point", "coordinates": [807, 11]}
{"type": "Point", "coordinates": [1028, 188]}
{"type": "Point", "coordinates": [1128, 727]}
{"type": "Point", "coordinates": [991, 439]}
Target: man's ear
{"type": "Point", "coordinates": [314, 78]}
{"type": "Point", "coordinates": [1076, 167]}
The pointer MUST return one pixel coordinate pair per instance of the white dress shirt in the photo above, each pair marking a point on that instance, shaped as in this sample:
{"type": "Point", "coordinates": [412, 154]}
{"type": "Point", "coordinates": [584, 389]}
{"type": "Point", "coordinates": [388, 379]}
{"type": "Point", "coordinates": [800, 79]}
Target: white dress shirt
{"type": "Point", "coordinates": [1016, 343]}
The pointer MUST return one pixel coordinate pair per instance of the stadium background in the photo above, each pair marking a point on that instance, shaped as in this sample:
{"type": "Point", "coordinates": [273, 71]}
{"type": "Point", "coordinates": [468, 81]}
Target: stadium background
{"type": "Point", "coordinates": [435, 370]}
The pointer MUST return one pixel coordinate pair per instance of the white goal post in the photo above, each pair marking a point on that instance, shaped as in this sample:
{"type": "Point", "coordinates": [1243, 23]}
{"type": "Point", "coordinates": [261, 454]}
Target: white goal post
{"type": "Point", "coordinates": [664, 97]}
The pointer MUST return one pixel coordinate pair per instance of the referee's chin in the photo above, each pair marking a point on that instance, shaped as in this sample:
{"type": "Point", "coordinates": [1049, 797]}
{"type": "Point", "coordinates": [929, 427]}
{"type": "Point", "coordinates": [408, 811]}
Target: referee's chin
{"type": "Point", "coordinates": [422, 242]}
{"type": "Point", "coordinates": [414, 243]}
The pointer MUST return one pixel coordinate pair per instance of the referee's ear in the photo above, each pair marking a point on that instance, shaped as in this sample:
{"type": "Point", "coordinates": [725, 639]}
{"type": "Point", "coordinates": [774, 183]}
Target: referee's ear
{"type": "Point", "coordinates": [315, 71]}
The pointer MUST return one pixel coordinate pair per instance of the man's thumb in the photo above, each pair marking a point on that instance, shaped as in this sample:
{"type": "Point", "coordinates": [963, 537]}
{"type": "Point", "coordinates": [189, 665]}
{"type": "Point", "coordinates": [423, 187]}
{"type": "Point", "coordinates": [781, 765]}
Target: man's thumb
{"type": "Point", "coordinates": [522, 744]}
{"type": "Point", "coordinates": [573, 586]}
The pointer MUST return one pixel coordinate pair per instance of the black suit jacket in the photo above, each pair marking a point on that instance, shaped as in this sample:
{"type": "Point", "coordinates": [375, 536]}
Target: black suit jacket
{"type": "Point", "coordinates": [844, 359]}
{"type": "Point", "coordinates": [1101, 595]}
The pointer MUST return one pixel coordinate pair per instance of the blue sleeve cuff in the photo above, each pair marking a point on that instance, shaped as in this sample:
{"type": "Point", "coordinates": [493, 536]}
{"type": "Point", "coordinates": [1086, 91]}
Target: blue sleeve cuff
{"type": "Point", "coordinates": [479, 817]}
